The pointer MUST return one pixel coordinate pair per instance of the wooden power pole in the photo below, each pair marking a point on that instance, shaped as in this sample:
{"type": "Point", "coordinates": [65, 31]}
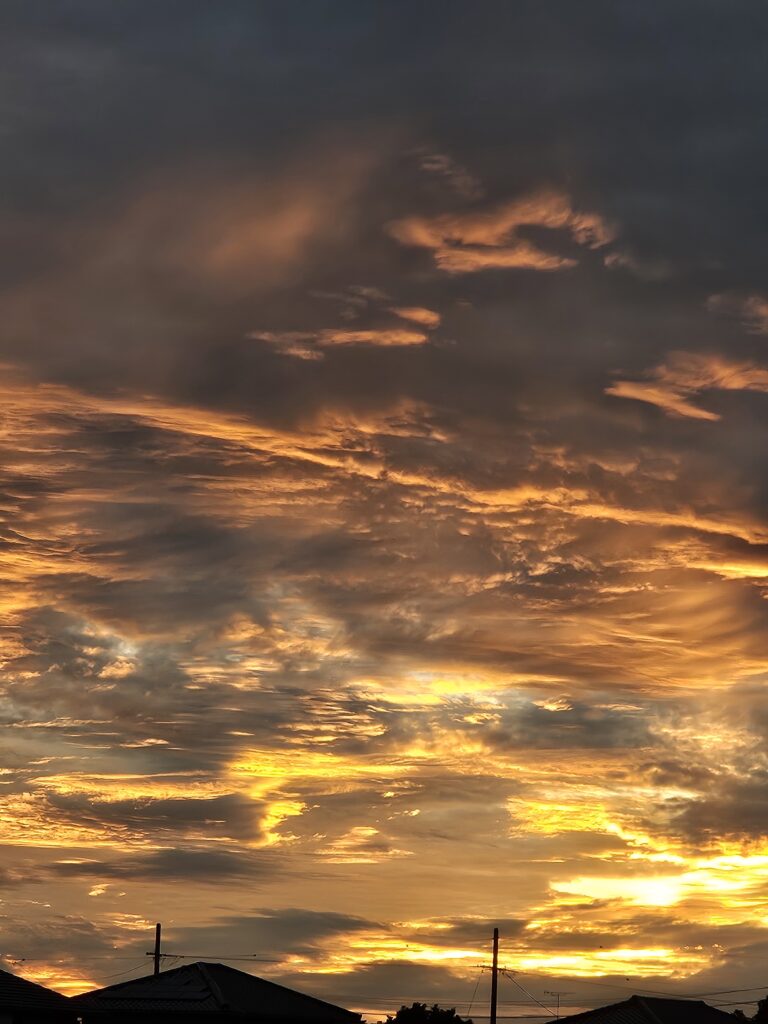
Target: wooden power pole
{"type": "Point", "coordinates": [495, 976]}
{"type": "Point", "coordinates": [158, 929]}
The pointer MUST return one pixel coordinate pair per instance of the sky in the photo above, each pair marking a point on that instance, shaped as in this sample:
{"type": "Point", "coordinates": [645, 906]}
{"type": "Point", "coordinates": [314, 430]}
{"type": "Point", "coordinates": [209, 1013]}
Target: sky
{"type": "Point", "coordinates": [383, 504]}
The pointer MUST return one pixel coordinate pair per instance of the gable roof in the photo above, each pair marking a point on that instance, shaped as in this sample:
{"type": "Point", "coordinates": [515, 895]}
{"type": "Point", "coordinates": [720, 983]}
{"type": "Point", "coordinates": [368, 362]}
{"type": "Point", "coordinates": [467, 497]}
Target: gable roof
{"type": "Point", "coordinates": [211, 988]}
{"type": "Point", "coordinates": [650, 1010]}
{"type": "Point", "coordinates": [19, 994]}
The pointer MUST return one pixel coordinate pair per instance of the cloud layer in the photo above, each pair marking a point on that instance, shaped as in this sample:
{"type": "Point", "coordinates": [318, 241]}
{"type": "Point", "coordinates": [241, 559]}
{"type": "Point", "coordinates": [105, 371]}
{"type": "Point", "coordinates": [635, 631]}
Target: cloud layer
{"type": "Point", "coordinates": [383, 528]}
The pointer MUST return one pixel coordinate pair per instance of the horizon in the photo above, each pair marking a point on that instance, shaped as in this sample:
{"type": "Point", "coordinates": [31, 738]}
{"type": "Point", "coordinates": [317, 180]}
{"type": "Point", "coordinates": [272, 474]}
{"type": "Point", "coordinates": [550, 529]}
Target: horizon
{"type": "Point", "coordinates": [548, 1007]}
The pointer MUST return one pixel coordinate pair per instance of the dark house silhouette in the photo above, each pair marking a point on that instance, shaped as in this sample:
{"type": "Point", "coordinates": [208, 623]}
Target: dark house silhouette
{"type": "Point", "coordinates": [205, 992]}
{"type": "Point", "coordinates": [24, 1002]}
{"type": "Point", "coordinates": [647, 1010]}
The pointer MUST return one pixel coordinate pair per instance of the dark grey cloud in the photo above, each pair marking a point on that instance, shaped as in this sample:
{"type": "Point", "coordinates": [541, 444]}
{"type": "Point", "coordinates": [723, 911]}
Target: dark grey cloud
{"type": "Point", "coordinates": [232, 816]}
{"type": "Point", "coordinates": [385, 986]}
{"type": "Point", "coordinates": [202, 865]}
{"type": "Point", "coordinates": [616, 121]}
{"type": "Point", "coordinates": [577, 725]}
{"type": "Point", "coordinates": [731, 805]}
{"type": "Point", "coordinates": [278, 931]}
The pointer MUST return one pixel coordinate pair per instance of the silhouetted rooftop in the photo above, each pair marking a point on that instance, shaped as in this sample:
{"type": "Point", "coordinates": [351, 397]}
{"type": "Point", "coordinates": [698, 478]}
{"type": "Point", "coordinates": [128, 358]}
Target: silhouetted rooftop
{"type": "Point", "coordinates": [19, 994]}
{"type": "Point", "coordinates": [648, 1010]}
{"type": "Point", "coordinates": [211, 988]}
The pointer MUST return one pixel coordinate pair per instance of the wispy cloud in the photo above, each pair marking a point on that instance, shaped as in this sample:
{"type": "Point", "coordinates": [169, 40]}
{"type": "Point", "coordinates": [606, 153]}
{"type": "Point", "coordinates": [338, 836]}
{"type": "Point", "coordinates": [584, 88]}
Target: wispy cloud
{"type": "Point", "coordinates": [310, 344]}
{"type": "Point", "coordinates": [419, 315]}
{"type": "Point", "coordinates": [466, 242]}
{"type": "Point", "coordinates": [752, 310]}
{"type": "Point", "coordinates": [673, 385]}
{"type": "Point", "coordinates": [445, 168]}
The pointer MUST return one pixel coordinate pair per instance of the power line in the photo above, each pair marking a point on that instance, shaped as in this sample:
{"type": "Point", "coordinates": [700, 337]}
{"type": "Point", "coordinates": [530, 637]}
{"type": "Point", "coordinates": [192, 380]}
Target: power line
{"type": "Point", "coordinates": [120, 974]}
{"type": "Point", "coordinates": [511, 976]}
{"type": "Point", "coordinates": [732, 991]}
{"type": "Point", "coordinates": [250, 958]}
{"type": "Point", "coordinates": [477, 985]}
{"type": "Point", "coordinates": [60, 960]}
{"type": "Point", "coordinates": [576, 980]}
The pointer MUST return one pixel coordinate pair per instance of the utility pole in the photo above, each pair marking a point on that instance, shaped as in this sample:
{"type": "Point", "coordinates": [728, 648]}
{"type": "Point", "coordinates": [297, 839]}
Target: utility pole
{"type": "Point", "coordinates": [495, 976]}
{"type": "Point", "coordinates": [158, 929]}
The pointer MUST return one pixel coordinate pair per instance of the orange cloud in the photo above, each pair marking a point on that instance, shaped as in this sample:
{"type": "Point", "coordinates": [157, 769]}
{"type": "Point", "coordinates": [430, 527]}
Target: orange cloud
{"type": "Point", "coordinates": [523, 255]}
{"type": "Point", "coordinates": [299, 344]}
{"type": "Point", "coordinates": [671, 385]}
{"type": "Point", "coordinates": [667, 398]}
{"type": "Point", "coordinates": [308, 344]}
{"type": "Point", "coordinates": [463, 243]}
{"type": "Point", "coordinates": [386, 338]}
{"type": "Point", "coordinates": [419, 315]}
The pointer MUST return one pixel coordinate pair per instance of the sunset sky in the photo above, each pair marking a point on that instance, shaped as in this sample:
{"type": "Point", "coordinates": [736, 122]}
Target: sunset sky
{"type": "Point", "coordinates": [384, 493]}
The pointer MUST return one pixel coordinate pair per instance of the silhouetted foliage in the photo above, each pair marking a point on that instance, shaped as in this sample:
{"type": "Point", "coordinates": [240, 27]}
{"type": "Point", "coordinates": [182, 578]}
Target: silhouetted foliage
{"type": "Point", "coordinates": [762, 1011]}
{"type": "Point", "coordinates": [420, 1013]}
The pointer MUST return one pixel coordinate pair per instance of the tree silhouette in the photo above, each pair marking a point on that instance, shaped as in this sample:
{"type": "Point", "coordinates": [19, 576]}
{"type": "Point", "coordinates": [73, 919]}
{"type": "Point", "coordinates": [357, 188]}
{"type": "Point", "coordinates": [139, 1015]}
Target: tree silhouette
{"type": "Point", "coordinates": [420, 1013]}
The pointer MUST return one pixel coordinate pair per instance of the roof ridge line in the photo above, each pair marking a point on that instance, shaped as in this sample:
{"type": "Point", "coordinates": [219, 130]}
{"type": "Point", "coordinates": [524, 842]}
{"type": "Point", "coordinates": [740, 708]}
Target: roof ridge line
{"type": "Point", "coordinates": [218, 995]}
{"type": "Point", "coordinates": [643, 1000]}
{"type": "Point", "coordinates": [276, 984]}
